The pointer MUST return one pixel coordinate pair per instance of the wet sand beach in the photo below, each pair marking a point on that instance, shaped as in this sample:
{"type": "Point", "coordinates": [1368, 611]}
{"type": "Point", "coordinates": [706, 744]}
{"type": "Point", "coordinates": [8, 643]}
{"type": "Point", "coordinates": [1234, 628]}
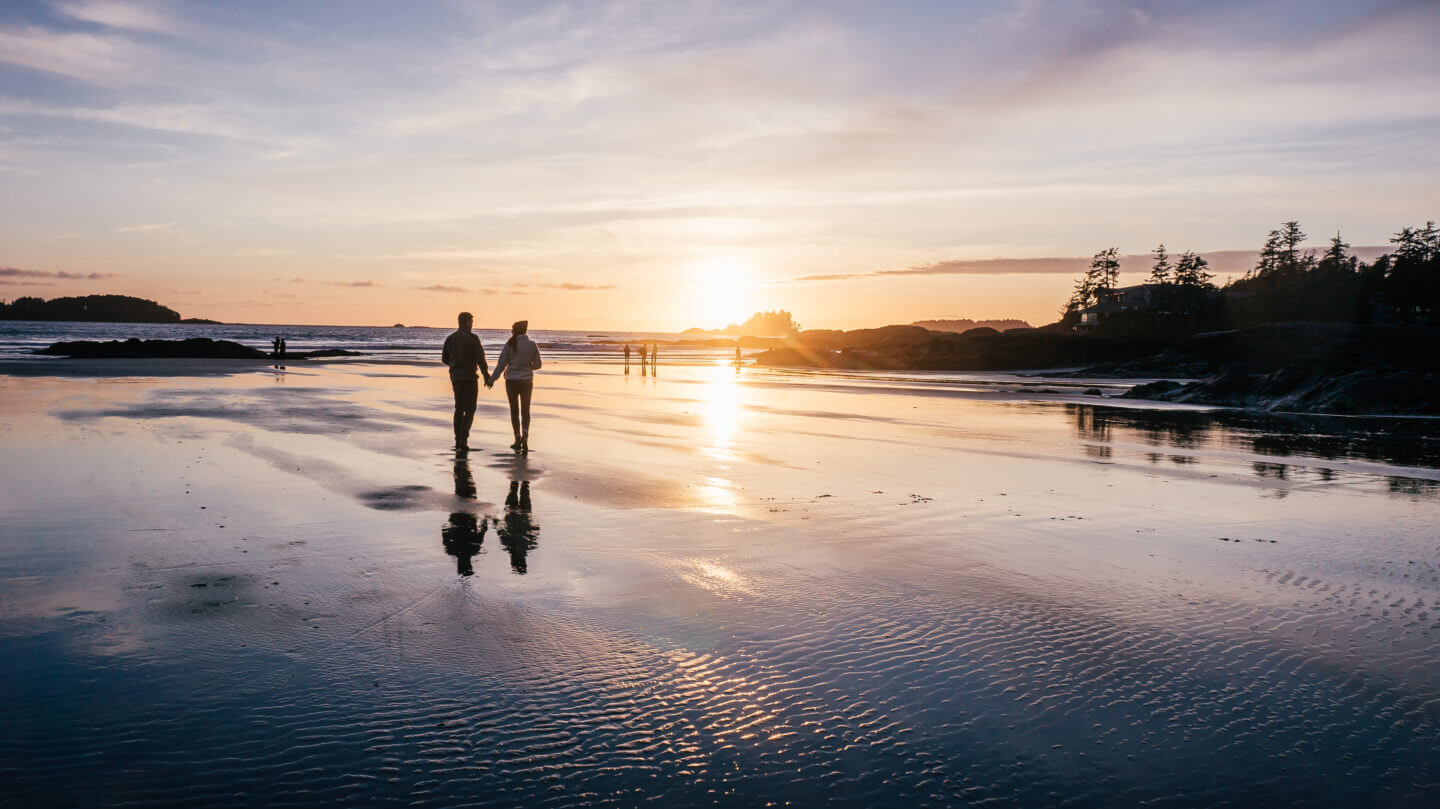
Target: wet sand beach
{"type": "Point", "coordinates": [707, 587]}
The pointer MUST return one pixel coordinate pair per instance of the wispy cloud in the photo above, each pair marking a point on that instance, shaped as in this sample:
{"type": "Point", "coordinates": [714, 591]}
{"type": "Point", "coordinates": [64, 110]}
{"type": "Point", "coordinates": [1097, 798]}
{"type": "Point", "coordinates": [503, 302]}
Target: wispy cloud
{"type": "Point", "coordinates": [8, 283]}
{"type": "Point", "coordinates": [127, 16]}
{"type": "Point", "coordinates": [14, 272]}
{"type": "Point", "coordinates": [1220, 261]}
{"type": "Point", "coordinates": [442, 288]}
{"type": "Point", "coordinates": [364, 284]}
{"type": "Point", "coordinates": [148, 228]}
{"type": "Point", "coordinates": [569, 286]}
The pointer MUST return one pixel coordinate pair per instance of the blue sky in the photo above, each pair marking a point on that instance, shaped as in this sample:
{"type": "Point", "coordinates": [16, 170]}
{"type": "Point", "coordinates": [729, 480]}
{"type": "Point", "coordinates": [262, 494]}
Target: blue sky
{"type": "Point", "coordinates": [668, 164]}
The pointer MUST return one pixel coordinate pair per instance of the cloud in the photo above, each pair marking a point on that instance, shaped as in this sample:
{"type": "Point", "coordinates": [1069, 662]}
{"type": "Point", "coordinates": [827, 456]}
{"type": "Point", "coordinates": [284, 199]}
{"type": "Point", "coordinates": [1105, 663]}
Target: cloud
{"type": "Point", "coordinates": [1221, 262]}
{"type": "Point", "coordinates": [127, 16]}
{"type": "Point", "coordinates": [570, 286]}
{"type": "Point", "coordinates": [365, 284]}
{"type": "Point", "coordinates": [442, 288]}
{"type": "Point", "coordinates": [146, 228]}
{"type": "Point", "coordinates": [5, 283]}
{"type": "Point", "coordinates": [12, 272]}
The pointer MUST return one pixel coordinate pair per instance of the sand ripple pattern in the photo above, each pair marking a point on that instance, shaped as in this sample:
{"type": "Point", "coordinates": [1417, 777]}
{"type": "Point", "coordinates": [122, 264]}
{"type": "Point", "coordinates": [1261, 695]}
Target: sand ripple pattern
{"type": "Point", "coordinates": [996, 696]}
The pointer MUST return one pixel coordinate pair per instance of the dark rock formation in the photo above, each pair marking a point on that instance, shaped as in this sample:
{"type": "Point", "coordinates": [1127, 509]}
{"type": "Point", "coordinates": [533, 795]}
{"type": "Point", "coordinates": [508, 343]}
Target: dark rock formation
{"type": "Point", "coordinates": [979, 349]}
{"type": "Point", "coordinates": [1297, 390]}
{"type": "Point", "coordinates": [195, 347]}
{"type": "Point", "coordinates": [1309, 368]}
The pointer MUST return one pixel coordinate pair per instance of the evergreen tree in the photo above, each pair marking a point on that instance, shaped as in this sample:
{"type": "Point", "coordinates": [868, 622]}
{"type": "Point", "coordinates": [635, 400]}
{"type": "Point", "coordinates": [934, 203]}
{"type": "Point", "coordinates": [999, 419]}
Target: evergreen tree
{"type": "Point", "coordinates": [1097, 281]}
{"type": "Point", "coordinates": [1336, 260]}
{"type": "Point", "coordinates": [1192, 271]}
{"type": "Point", "coordinates": [1160, 273]}
{"type": "Point", "coordinates": [1412, 279]}
{"type": "Point", "coordinates": [1290, 239]}
{"type": "Point", "coordinates": [1105, 270]}
{"type": "Point", "coordinates": [1270, 256]}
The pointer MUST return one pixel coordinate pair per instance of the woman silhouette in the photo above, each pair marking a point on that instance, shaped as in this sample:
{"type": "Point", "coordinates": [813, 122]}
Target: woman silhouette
{"type": "Point", "coordinates": [519, 359]}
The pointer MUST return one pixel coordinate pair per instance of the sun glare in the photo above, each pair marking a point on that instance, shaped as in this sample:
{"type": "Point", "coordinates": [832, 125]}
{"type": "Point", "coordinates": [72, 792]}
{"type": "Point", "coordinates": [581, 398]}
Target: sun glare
{"type": "Point", "coordinates": [722, 289]}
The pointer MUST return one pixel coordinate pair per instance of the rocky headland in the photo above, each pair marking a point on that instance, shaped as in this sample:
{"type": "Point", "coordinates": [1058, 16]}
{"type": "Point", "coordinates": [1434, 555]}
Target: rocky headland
{"type": "Point", "coordinates": [1294, 367]}
{"type": "Point", "coordinates": [193, 348]}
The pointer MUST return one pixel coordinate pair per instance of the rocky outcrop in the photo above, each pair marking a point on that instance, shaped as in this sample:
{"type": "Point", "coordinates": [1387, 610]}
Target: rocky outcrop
{"type": "Point", "coordinates": [195, 347]}
{"type": "Point", "coordinates": [1300, 390]}
{"type": "Point", "coordinates": [1309, 368]}
{"type": "Point", "coordinates": [979, 349]}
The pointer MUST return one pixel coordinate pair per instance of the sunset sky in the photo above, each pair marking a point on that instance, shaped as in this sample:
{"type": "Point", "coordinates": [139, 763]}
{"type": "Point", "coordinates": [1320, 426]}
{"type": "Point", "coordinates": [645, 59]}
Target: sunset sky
{"type": "Point", "coordinates": [659, 165]}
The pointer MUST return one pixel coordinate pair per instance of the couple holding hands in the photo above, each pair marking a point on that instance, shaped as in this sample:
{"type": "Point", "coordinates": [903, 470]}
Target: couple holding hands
{"type": "Point", "coordinates": [519, 360]}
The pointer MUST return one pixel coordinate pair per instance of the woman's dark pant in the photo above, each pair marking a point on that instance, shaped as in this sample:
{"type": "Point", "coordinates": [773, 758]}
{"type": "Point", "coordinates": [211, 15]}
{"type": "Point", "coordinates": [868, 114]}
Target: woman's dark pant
{"type": "Point", "coordinates": [518, 391]}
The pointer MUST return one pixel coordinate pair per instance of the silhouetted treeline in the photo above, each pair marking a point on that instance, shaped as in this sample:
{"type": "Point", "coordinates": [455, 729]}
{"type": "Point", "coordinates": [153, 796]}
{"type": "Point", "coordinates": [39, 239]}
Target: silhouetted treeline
{"type": "Point", "coordinates": [1400, 287]}
{"type": "Point", "coordinates": [1288, 283]}
{"type": "Point", "coordinates": [964, 324]}
{"type": "Point", "coordinates": [99, 308]}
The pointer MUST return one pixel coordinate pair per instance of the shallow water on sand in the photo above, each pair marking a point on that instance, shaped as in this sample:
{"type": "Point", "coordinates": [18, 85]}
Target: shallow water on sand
{"type": "Point", "coordinates": [708, 587]}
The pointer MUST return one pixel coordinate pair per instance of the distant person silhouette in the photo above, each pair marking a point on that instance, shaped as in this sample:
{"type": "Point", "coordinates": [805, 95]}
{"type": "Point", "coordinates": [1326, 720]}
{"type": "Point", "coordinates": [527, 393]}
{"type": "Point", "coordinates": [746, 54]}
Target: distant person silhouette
{"type": "Point", "coordinates": [466, 359]}
{"type": "Point", "coordinates": [275, 345]}
{"type": "Point", "coordinates": [282, 348]}
{"type": "Point", "coordinates": [642, 359]}
{"type": "Point", "coordinates": [517, 529]}
{"type": "Point", "coordinates": [462, 537]}
{"type": "Point", "coordinates": [654, 357]}
{"type": "Point", "coordinates": [627, 358]}
{"type": "Point", "coordinates": [519, 360]}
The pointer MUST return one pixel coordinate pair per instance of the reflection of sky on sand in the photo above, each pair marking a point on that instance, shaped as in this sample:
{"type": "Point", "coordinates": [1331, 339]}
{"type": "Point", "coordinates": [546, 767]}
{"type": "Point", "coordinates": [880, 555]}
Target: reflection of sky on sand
{"type": "Point", "coordinates": [917, 566]}
{"type": "Point", "coordinates": [713, 576]}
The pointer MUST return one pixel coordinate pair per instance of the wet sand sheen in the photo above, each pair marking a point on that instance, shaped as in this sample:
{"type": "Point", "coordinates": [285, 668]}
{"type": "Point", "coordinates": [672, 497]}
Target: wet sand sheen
{"type": "Point", "coordinates": [736, 590]}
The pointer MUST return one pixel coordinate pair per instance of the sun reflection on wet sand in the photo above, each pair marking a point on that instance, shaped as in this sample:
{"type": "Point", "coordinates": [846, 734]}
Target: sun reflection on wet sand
{"type": "Point", "coordinates": [721, 411]}
{"type": "Point", "coordinates": [713, 576]}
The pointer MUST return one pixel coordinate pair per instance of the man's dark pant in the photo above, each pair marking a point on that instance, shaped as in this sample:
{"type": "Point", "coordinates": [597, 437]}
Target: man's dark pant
{"type": "Point", "coordinates": [466, 392]}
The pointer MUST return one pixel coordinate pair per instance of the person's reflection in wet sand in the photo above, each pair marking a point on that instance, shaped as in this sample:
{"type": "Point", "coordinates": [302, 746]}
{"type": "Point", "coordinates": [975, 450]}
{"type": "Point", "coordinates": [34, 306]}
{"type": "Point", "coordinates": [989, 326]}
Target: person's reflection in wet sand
{"type": "Point", "coordinates": [517, 529]}
{"type": "Point", "coordinates": [464, 479]}
{"type": "Point", "coordinates": [463, 535]}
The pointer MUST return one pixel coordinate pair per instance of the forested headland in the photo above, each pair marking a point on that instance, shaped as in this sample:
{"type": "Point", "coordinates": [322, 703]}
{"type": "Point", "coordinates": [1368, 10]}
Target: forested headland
{"type": "Point", "coordinates": [94, 309]}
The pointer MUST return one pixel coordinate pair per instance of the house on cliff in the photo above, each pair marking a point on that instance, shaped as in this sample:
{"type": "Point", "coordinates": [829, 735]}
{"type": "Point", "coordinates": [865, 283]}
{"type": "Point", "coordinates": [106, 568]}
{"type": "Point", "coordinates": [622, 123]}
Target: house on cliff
{"type": "Point", "coordinates": [1114, 301]}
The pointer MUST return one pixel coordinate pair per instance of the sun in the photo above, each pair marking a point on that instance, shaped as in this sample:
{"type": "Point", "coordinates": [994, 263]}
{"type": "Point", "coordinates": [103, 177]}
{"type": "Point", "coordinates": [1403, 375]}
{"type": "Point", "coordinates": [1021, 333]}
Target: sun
{"type": "Point", "coordinates": [722, 290]}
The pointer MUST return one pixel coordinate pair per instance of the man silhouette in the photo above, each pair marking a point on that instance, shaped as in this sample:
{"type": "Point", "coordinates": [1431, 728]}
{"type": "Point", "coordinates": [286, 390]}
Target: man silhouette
{"type": "Point", "coordinates": [465, 357]}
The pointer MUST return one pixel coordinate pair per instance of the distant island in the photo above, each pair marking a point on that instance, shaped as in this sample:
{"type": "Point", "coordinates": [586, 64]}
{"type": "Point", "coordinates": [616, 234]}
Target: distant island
{"type": "Point", "coordinates": [94, 309]}
{"type": "Point", "coordinates": [964, 324]}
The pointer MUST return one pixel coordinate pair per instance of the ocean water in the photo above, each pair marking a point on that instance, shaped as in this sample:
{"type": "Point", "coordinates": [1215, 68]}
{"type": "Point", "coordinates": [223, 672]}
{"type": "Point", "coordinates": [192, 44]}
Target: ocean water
{"type": "Point", "coordinates": [19, 339]}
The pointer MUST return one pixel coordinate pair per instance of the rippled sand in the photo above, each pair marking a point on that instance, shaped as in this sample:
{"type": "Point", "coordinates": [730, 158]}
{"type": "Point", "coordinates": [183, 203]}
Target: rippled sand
{"type": "Point", "coordinates": [707, 588]}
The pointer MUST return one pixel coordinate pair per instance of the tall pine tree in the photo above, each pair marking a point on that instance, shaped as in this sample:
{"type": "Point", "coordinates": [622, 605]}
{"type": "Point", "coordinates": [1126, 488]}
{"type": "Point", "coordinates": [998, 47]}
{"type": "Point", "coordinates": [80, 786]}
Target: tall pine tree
{"type": "Point", "coordinates": [1160, 273]}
